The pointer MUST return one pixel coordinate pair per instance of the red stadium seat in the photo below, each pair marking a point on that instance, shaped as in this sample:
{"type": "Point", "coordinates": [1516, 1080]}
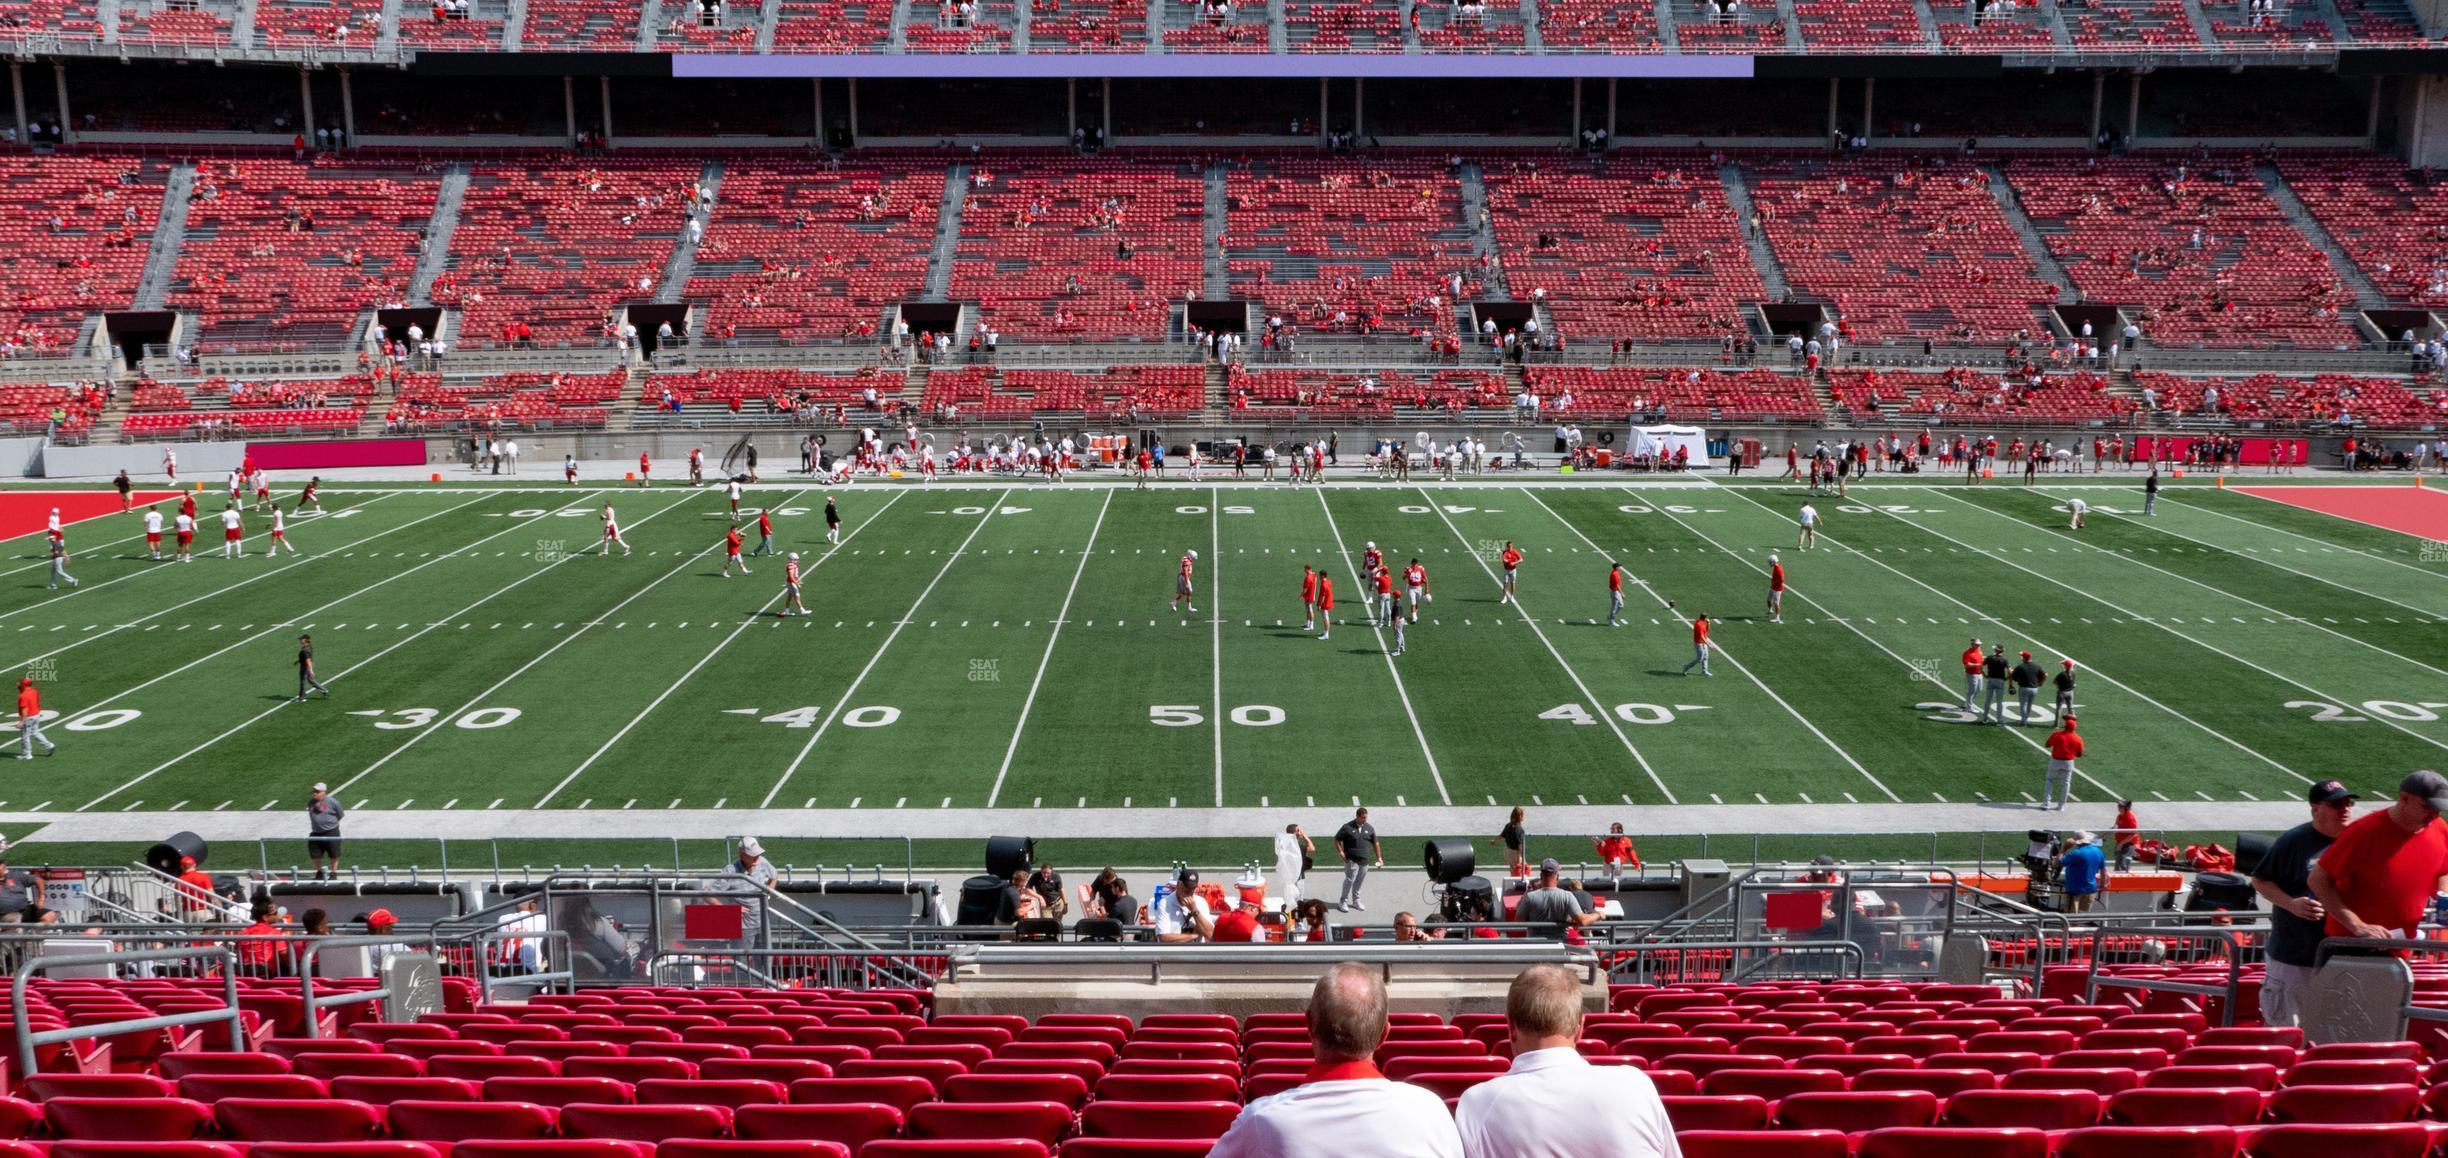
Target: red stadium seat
{"type": "Point", "coordinates": [214, 1087]}
{"type": "Point", "coordinates": [460, 1121]}
{"type": "Point", "coordinates": [1177, 1088]}
{"type": "Point", "coordinates": [2343, 1104]}
{"type": "Point", "coordinates": [1763, 1143]}
{"type": "Point", "coordinates": [645, 1123]}
{"type": "Point", "coordinates": [1716, 1111]}
{"type": "Point", "coordinates": [281, 1120]}
{"type": "Point", "coordinates": [384, 1091]}
{"type": "Point", "coordinates": [2149, 1142]}
{"type": "Point", "coordinates": [2370, 1140]}
{"type": "Point", "coordinates": [705, 1092]}
{"type": "Point", "coordinates": [553, 1148]}
{"type": "Point", "coordinates": [127, 1119]}
{"type": "Point", "coordinates": [962, 1148]}
{"type": "Point", "coordinates": [1852, 1111]}
{"type": "Point", "coordinates": [1135, 1148]}
{"type": "Point", "coordinates": [899, 1093]}
{"type": "Point", "coordinates": [174, 1066]}
{"type": "Point", "coordinates": [733, 1148]}
{"type": "Point", "coordinates": [44, 1087]}
{"type": "Point", "coordinates": [384, 1148]}
{"type": "Point", "coordinates": [850, 1123]}
{"type": "Point", "coordinates": [2186, 1106]}
{"type": "Point", "coordinates": [2034, 1109]}
{"type": "Point", "coordinates": [2099, 1081]}
{"type": "Point", "coordinates": [1067, 1089]}
{"type": "Point", "coordinates": [1158, 1119]}
{"type": "Point", "coordinates": [1953, 1142]}
{"type": "Point", "coordinates": [1044, 1122]}
{"type": "Point", "coordinates": [2252, 1076]}
{"type": "Point", "coordinates": [1944, 1083]}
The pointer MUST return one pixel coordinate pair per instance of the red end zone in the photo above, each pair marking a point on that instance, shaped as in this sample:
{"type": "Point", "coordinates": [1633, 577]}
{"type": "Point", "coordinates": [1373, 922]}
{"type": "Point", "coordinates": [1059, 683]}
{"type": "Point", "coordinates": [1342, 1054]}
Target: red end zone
{"type": "Point", "coordinates": [29, 512]}
{"type": "Point", "coordinates": [2417, 511]}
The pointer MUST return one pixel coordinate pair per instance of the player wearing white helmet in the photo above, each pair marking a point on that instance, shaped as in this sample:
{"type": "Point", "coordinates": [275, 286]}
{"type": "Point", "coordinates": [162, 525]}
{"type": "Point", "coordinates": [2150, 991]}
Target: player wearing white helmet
{"type": "Point", "coordinates": [790, 588]}
{"type": "Point", "coordinates": [1181, 582]}
{"type": "Point", "coordinates": [1776, 589]}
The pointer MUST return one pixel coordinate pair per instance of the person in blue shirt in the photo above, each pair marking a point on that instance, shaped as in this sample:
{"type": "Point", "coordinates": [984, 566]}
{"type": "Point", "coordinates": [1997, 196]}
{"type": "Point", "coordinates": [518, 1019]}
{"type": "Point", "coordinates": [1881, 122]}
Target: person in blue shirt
{"type": "Point", "coordinates": [2083, 865]}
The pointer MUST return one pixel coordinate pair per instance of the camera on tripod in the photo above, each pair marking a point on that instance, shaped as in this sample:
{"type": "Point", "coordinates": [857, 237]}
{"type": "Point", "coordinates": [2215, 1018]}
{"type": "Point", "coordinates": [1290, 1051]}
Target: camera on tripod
{"type": "Point", "coordinates": [1461, 895]}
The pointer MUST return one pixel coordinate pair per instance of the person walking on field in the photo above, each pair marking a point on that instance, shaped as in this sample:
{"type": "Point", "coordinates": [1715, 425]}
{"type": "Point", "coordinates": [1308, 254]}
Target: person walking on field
{"type": "Point", "coordinates": [1615, 595]}
{"type": "Point", "coordinates": [29, 721]}
{"type": "Point", "coordinates": [1994, 671]}
{"type": "Point", "coordinates": [306, 671]}
{"type": "Point", "coordinates": [1809, 518]}
{"type": "Point", "coordinates": [2065, 688]}
{"type": "Point", "coordinates": [1776, 589]}
{"type": "Point", "coordinates": [2150, 491]}
{"type": "Point", "coordinates": [1972, 675]}
{"type": "Point", "coordinates": [1516, 841]}
{"type": "Point", "coordinates": [1325, 605]}
{"type": "Point", "coordinates": [2027, 680]}
{"type": "Point", "coordinates": [59, 564]}
{"type": "Point", "coordinates": [2064, 748]}
{"type": "Point", "coordinates": [1700, 646]}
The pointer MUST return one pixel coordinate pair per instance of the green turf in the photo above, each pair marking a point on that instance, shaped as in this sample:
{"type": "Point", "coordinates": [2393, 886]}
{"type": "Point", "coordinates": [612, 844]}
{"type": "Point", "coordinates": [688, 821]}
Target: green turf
{"type": "Point", "coordinates": [1013, 648]}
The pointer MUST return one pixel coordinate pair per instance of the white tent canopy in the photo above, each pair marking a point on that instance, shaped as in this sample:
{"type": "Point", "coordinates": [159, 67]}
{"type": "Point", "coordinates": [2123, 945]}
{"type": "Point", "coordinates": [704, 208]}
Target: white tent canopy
{"type": "Point", "coordinates": [1661, 441]}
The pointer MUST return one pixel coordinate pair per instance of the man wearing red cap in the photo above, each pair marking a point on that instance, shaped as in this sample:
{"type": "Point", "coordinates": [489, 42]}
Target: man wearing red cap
{"type": "Point", "coordinates": [2027, 680]}
{"type": "Point", "coordinates": [29, 721]}
{"type": "Point", "coordinates": [2065, 688]}
{"type": "Point", "coordinates": [2064, 748]}
{"type": "Point", "coordinates": [195, 886]}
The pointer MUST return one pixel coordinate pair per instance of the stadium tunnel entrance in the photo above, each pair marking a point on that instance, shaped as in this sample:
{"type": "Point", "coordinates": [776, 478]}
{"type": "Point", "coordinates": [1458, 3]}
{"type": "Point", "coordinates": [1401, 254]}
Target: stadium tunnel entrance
{"type": "Point", "coordinates": [130, 331]}
{"type": "Point", "coordinates": [651, 317]}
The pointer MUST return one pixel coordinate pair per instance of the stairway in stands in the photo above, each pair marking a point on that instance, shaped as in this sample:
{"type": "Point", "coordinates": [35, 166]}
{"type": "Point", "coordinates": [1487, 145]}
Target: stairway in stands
{"type": "Point", "coordinates": [1763, 259]}
{"type": "Point", "coordinates": [2034, 245]}
{"type": "Point", "coordinates": [2367, 295]}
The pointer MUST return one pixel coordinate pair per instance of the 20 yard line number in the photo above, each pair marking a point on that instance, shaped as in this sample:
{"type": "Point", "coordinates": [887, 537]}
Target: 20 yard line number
{"type": "Point", "coordinates": [2398, 710]}
{"type": "Point", "coordinates": [1192, 715]}
{"type": "Point", "coordinates": [99, 721]}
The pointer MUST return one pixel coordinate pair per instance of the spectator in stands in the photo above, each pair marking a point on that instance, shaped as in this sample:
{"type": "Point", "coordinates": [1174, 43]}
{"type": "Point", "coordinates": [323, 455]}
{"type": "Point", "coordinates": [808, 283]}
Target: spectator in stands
{"type": "Point", "coordinates": [1616, 850]}
{"type": "Point", "coordinates": [1180, 914]}
{"type": "Point", "coordinates": [1552, 1103]}
{"type": "Point", "coordinates": [1406, 927]}
{"type": "Point", "coordinates": [1346, 1108]}
{"type": "Point", "coordinates": [1309, 922]}
{"type": "Point", "coordinates": [380, 923]}
{"type": "Point", "coordinates": [756, 874]}
{"type": "Point", "coordinates": [1239, 926]}
{"type": "Point", "coordinates": [260, 957]}
{"type": "Point", "coordinates": [20, 892]}
{"type": "Point", "coordinates": [2378, 878]}
{"type": "Point", "coordinates": [1550, 903]}
{"type": "Point", "coordinates": [2283, 878]}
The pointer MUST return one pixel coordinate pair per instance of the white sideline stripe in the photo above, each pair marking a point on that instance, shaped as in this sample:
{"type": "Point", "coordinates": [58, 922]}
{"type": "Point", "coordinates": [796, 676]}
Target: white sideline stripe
{"type": "Point", "coordinates": [1215, 627]}
{"type": "Point", "coordinates": [1833, 746]}
{"type": "Point", "coordinates": [412, 740]}
{"type": "Point", "coordinates": [1060, 617]}
{"type": "Point", "coordinates": [301, 617]}
{"type": "Point", "coordinates": [717, 649]}
{"type": "Point", "coordinates": [2434, 573]}
{"type": "Point", "coordinates": [344, 672]}
{"type": "Point", "coordinates": [139, 573]}
{"type": "Point", "coordinates": [1368, 603]}
{"type": "Point", "coordinates": [1919, 672]}
{"type": "Point", "coordinates": [2371, 555]}
{"type": "Point", "coordinates": [1980, 616]}
{"type": "Point", "coordinates": [2221, 591]}
{"type": "Point", "coordinates": [834, 713]}
{"type": "Point", "coordinates": [262, 575]}
{"type": "Point", "coordinates": [2154, 621]}
{"type": "Point", "coordinates": [1532, 621]}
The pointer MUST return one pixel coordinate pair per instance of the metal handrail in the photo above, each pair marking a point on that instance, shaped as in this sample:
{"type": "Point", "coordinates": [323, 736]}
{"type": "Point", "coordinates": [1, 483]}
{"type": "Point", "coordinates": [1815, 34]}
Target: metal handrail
{"type": "Point", "coordinates": [2231, 939]}
{"type": "Point", "coordinates": [306, 975]}
{"type": "Point", "coordinates": [28, 1038]}
{"type": "Point", "coordinates": [1155, 957]}
{"type": "Point", "coordinates": [1769, 951]}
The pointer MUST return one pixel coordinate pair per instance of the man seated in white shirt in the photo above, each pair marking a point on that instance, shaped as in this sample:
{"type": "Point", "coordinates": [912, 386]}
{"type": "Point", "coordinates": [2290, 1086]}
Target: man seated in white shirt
{"type": "Point", "coordinates": [1346, 1108]}
{"type": "Point", "coordinates": [1180, 915]}
{"type": "Point", "coordinates": [1553, 1103]}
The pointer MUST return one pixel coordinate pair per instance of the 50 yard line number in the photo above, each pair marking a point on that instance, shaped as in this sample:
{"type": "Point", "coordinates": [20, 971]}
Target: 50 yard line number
{"type": "Point", "coordinates": [1192, 715]}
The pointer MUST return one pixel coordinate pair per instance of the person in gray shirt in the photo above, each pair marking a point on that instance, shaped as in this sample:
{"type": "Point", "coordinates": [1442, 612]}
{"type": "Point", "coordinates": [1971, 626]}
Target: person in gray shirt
{"type": "Point", "coordinates": [1550, 903]}
{"type": "Point", "coordinates": [323, 832]}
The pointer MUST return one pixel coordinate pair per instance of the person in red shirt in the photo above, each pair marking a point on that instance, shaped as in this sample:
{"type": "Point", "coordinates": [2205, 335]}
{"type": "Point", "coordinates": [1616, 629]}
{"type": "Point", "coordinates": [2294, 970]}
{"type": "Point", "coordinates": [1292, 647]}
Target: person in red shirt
{"type": "Point", "coordinates": [1385, 597]}
{"type": "Point", "coordinates": [187, 504]}
{"type": "Point", "coordinates": [1616, 850]}
{"type": "Point", "coordinates": [1309, 578]}
{"type": "Point", "coordinates": [2128, 830]}
{"type": "Point", "coordinates": [1700, 646]}
{"type": "Point", "coordinates": [1325, 604]}
{"type": "Point", "coordinates": [1240, 926]}
{"type": "Point", "coordinates": [731, 552]}
{"type": "Point", "coordinates": [2064, 748]}
{"type": "Point", "coordinates": [1615, 595]}
{"type": "Point", "coordinates": [1776, 590]}
{"type": "Point", "coordinates": [195, 886]}
{"type": "Point", "coordinates": [764, 532]}
{"type": "Point", "coordinates": [1511, 558]}
{"type": "Point", "coordinates": [790, 587]}
{"type": "Point", "coordinates": [29, 720]}
{"type": "Point", "coordinates": [1415, 577]}
{"type": "Point", "coordinates": [1372, 561]}
{"type": "Point", "coordinates": [1972, 675]}
{"type": "Point", "coordinates": [644, 464]}
{"type": "Point", "coordinates": [2383, 871]}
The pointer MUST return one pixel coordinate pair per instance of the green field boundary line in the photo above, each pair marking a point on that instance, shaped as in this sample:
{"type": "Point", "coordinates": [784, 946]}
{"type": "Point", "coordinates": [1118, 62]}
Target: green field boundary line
{"type": "Point", "coordinates": [1728, 656]}
{"type": "Point", "coordinates": [2157, 527]}
{"type": "Point", "coordinates": [80, 589]}
{"type": "Point", "coordinates": [1532, 621]}
{"type": "Point", "coordinates": [2375, 556]}
{"type": "Point", "coordinates": [685, 563]}
{"type": "Point", "coordinates": [2089, 666]}
{"type": "Point", "coordinates": [1061, 617]}
{"type": "Point", "coordinates": [1368, 604]}
{"type": "Point", "coordinates": [708, 657]}
{"type": "Point", "coordinates": [2154, 621]}
{"type": "Point", "coordinates": [834, 713]}
{"type": "Point", "coordinates": [343, 673]}
{"type": "Point", "coordinates": [287, 621]}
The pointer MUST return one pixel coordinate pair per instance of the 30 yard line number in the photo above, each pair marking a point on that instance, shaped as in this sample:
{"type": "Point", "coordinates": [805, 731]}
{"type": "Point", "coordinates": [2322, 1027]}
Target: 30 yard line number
{"type": "Point", "coordinates": [409, 719]}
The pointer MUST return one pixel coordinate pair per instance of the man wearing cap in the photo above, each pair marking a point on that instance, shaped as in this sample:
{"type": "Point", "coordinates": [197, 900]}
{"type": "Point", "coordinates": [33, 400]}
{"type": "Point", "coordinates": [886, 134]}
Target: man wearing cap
{"type": "Point", "coordinates": [2379, 876]}
{"type": "Point", "coordinates": [195, 887]}
{"type": "Point", "coordinates": [1994, 671]}
{"type": "Point", "coordinates": [1357, 841]}
{"type": "Point", "coordinates": [1238, 927]}
{"type": "Point", "coordinates": [323, 832]}
{"type": "Point", "coordinates": [2064, 748]}
{"type": "Point", "coordinates": [381, 923]}
{"type": "Point", "coordinates": [2027, 678]}
{"type": "Point", "coordinates": [2083, 865]}
{"type": "Point", "coordinates": [29, 721]}
{"type": "Point", "coordinates": [1180, 914]}
{"type": "Point", "coordinates": [751, 866]}
{"type": "Point", "coordinates": [1550, 903]}
{"type": "Point", "coordinates": [2284, 879]}
{"type": "Point", "coordinates": [2065, 688]}
{"type": "Point", "coordinates": [1972, 675]}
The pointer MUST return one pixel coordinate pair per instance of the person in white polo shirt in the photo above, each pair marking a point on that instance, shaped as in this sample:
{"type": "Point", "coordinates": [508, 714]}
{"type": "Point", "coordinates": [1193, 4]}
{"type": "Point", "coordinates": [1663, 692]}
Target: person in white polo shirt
{"type": "Point", "coordinates": [1553, 1103]}
{"type": "Point", "coordinates": [1346, 1108]}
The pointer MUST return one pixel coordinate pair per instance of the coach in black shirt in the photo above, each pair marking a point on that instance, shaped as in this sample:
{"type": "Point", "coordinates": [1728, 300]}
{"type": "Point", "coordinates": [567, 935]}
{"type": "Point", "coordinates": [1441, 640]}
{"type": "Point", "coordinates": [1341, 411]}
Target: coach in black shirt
{"type": "Point", "coordinates": [2027, 680]}
{"type": "Point", "coordinates": [2284, 879]}
{"type": "Point", "coordinates": [1357, 841]}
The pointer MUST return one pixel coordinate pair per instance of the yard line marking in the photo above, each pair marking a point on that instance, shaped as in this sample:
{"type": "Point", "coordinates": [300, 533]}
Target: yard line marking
{"type": "Point", "coordinates": [1532, 622]}
{"type": "Point", "coordinates": [2036, 745]}
{"type": "Point", "coordinates": [834, 713]}
{"type": "Point", "coordinates": [1343, 548]}
{"type": "Point", "coordinates": [280, 570]}
{"type": "Point", "coordinates": [1047, 660]}
{"type": "Point", "coordinates": [2162, 528]}
{"type": "Point", "coordinates": [344, 672]}
{"type": "Point", "coordinates": [1215, 591]}
{"type": "Point", "coordinates": [2178, 634]}
{"type": "Point", "coordinates": [1833, 746]}
{"type": "Point", "coordinates": [708, 657]}
{"type": "Point", "coordinates": [686, 562]}
{"type": "Point", "coordinates": [116, 697]}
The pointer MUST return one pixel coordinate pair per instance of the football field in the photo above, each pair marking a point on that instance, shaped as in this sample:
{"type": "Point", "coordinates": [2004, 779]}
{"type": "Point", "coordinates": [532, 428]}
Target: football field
{"type": "Point", "coordinates": [994, 656]}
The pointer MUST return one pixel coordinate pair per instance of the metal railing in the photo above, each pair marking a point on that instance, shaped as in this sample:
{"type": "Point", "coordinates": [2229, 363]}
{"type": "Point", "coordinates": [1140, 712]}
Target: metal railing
{"type": "Point", "coordinates": [1684, 961]}
{"type": "Point", "coordinates": [2229, 949]}
{"type": "Point", "coordinates": [1154, 958]}
{"type": "Point", "coordinates": [29, 1039]}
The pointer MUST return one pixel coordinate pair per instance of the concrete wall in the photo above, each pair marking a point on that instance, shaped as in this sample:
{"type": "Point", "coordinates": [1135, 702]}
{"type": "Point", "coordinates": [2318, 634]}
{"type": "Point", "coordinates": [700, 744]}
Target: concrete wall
{"type": "Point", "coordinates": [196, 460]}
{"type": "Point", "coordinates": [2422, 120]}
{"type": "Point", "coordinates": [21, 456]}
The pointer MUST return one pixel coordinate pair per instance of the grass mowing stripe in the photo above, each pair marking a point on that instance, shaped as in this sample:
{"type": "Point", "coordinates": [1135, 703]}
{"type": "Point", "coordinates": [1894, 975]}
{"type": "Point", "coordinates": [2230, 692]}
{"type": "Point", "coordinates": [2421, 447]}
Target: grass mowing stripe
{"type": "Point", "coordinates": [82, 588]}
{"type": "Point", "coordinates": [834, 713]}
{"type": "Point", "coordinates": [288, 621]}
{"type": "Point", "coordinates": [1917, 669]}
{"type": "Point", "coordinates": [1215, 622]}
{"type": "Point", "coordinates": [2153, 621]}
{"type": "Point", "coordinates": [2234, 567]}
{"type": "Point", "coordinates": [360, 664]}
{"type": "Point", "coordinates": [420, 734]}
{"type": "Point", "coordinates": [1605, 714]}
{"type": "Point", "coordinates": [1343, 547]}
{"type": "Point", "coordinates": [1805, 721]}
{"type": "Point", "coordinates": [1062, 617]}
{"type": "Point", "coordinates": [717, 649]}
{"type": "Point", "coordinates": [2164, 527]}
{"type": "Point", "coordinates": [2273, 506]}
